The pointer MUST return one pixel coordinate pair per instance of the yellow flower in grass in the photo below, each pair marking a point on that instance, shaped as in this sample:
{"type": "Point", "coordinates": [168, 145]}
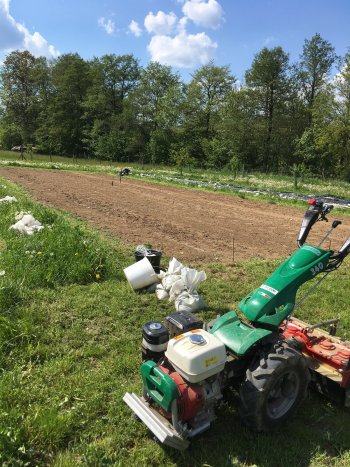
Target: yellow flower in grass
{"type": "Point", "coordinates": [39, 253]}
{"type": "Point", "coordinates": [98, 276]}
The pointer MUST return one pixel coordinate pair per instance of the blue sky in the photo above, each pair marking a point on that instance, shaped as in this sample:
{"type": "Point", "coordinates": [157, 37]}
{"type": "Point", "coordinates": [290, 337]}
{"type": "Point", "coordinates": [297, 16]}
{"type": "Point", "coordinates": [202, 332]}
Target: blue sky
{"type": "Point", "coordinates": [184, 34]}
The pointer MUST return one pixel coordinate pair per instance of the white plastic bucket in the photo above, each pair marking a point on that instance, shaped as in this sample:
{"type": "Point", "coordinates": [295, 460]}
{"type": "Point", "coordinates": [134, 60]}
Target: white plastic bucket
{"type": "Point", "coordinates": [140, 274]}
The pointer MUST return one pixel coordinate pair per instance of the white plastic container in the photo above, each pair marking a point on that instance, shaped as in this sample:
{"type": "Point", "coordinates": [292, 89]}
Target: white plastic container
{"type": "Point", "coordinates": [196, 355]}
{"type": "Point", "coordinates": [141, 274]}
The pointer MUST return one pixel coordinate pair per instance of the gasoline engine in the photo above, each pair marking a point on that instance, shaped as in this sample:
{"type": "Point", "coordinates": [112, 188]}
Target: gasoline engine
{"type": "Point", "coordinates": [196, 366]}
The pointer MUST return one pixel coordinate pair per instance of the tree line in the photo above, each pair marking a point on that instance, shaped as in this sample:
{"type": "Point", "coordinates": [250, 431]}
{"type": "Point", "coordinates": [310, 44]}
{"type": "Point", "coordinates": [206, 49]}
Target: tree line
{"type": "Point", "coordinates": [286, 117]}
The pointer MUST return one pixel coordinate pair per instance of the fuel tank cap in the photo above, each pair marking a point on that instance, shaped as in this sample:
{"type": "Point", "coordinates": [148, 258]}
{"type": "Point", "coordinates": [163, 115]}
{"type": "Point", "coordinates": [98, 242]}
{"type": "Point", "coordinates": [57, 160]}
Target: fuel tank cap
{"type": "Point", "coordinates": [197, 339]}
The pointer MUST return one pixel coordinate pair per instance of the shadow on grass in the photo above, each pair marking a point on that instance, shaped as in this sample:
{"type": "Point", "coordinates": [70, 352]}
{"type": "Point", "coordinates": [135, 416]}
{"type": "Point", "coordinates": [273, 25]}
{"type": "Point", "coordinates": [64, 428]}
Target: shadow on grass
{"type": "Point", "coordinates": [317, 435]}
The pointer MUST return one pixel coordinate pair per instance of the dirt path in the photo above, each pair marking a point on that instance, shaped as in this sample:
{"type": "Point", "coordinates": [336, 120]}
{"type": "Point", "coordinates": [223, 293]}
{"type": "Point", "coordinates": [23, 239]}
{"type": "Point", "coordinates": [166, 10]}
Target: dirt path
{"type": "Point", "coordinates": [190, 225]}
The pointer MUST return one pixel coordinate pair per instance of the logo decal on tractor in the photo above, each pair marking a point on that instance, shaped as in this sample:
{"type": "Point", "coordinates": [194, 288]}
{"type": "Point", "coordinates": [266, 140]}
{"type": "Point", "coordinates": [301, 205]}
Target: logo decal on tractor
{"type": "Point", "coordinates": [313, 249]}
{"type": "Point", "coordinates": [269, 289]}
{"type": "Point", "coordinates": [264, 295]}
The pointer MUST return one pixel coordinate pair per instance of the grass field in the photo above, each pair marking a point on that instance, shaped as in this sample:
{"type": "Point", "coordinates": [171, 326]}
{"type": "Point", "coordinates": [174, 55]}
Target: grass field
{"type": "Point", "coordinates": [70, 335]}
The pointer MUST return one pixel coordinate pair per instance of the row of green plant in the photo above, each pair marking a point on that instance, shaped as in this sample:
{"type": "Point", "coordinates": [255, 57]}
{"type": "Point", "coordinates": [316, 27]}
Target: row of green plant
{"type": "Point", "coordinates": [70, 349]}
{"type": "Point", "coordinates": [308, 185]}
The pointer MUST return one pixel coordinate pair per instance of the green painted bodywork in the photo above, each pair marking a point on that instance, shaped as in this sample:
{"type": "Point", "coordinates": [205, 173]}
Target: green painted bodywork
{"type": "Point", "coordinates": [158, 385]}
{"type": "Point", "coordinates": [272, 302]}
{"type": "Point", "coordinates": [237, 336]}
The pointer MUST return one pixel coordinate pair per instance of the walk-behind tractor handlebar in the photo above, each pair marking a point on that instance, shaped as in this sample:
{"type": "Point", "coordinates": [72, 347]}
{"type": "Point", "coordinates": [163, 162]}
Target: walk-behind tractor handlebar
{"type": "Point", "coordinates": [318, 211]}
{"type": "Point", "coordinates": [187, 366]}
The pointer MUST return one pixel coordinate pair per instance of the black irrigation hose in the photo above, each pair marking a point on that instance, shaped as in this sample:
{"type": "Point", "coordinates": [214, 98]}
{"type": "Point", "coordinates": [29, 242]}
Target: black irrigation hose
{"type": "Point", "coordinates": [345, 203]}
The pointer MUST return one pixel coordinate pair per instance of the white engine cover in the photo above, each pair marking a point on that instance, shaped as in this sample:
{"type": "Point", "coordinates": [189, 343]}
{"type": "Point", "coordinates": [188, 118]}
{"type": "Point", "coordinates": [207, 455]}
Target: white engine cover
{"type": "Point", "coordinates": [196, 355]}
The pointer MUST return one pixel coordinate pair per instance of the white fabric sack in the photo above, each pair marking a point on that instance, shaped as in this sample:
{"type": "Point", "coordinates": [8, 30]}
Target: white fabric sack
{"type": "Point", "coordinates": [161, 275]}
{"type": "Point", "coordinates": [27, 225]}
{"type": "Point", "coordinates": [178, 287]}
{"type": "Point", "coordinates": [179, 284]}
{"type": "Point", "coordinates": [169, 281]}
{"type": "Point", "coordinates": [161, 293]}
{"type": "Point", "coordinates": [8, 199]}
{"type": "Point", "coordinates": [192, 278]}
{"type": "Point", "coordinates": [174, 267]}
{"type": "Point", "coordinates": [189, 302]}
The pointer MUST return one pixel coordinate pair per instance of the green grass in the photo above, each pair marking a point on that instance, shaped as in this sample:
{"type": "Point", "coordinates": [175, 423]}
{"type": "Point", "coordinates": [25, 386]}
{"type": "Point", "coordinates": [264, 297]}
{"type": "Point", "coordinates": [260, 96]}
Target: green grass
{"type": "Point", "coordinates": [70, 349]}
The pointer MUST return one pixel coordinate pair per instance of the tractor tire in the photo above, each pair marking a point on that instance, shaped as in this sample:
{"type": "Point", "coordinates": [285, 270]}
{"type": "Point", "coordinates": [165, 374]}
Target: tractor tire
{"type": "Point", "coordinates": [274, 388]}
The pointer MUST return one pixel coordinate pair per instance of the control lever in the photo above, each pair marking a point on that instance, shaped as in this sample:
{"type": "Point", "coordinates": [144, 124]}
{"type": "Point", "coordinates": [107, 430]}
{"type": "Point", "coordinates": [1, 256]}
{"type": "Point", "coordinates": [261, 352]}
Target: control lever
{"type": "Point", "coordinates": [327, 208]}
{"type": "Point", "coordinates": [334, 226]}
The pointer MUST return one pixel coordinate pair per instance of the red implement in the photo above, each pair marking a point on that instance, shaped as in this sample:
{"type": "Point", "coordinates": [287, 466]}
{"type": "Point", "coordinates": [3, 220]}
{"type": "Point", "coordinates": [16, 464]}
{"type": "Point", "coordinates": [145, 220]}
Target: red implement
{"type": "Point", "coordinates": [327, 354]}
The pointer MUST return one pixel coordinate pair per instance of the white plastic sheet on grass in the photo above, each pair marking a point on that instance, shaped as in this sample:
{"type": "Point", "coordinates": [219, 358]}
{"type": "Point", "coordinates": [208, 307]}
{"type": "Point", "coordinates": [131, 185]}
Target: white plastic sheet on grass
{"type": "Point", "coordinates": [27, 225]}
{"type": "Point", "coordinates": [8, 199]}
{"type": "Point", "coordinates": [179, 284]}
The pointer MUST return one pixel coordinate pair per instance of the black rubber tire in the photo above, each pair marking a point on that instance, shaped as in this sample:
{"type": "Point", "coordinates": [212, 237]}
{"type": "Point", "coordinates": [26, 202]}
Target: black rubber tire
{"type": "Point", "coordinates": [274, 388]}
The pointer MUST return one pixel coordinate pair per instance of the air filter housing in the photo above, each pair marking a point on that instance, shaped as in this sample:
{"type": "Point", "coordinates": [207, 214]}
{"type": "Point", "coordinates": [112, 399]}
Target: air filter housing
{"type": "Point", "coordinates": [181, 322]}
{"type": "Point", "coordinates": [155, 337]}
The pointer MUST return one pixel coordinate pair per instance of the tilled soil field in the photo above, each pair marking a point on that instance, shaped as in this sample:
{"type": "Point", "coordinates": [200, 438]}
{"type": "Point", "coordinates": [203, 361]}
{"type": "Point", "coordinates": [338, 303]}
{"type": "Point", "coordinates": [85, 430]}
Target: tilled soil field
{"type": "Point", "coordinates": [193, 226]}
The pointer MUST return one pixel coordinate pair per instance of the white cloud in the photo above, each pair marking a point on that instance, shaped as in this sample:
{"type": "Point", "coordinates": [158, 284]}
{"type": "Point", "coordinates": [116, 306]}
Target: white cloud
{"type": "Point", "coordinates": [207, 13]}
{"type": "Point", "coordinates": [135, 29]}
{"type": "Point", "coordinates": [106, 24]}
{"type": "Point", "coordinates": [184, 50]}
{"type": "Point", "coordinates": [5, 5]}
{"type": "Point", "coordinates": [38, 45]}
{"type": "Point", "coordinates": [161, 23]}
{"type": "Point", "coordinates": [16, 36]}
{"type": "Point", "coordinates": [182, 24]}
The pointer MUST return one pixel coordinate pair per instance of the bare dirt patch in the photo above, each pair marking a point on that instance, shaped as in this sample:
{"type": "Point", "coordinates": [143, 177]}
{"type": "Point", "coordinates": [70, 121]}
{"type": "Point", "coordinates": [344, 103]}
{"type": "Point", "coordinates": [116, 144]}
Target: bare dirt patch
{"type": "Point", "coordinates": [194, 226]}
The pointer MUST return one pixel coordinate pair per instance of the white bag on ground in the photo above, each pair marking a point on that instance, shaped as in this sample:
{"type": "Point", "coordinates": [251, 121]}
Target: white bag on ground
{"type": "Point", "coordinates": [27, 225]}
{"type": "Point", "coordinates": [179, 284]}
{"type": "Point", "coordinates": [8, 199]}
{"type": "Point", "coordinates": [189, 299]}
{"type": "Point", "coordinates": [178, 287]}
{"type": "Point", "coordinates": [175, 267]}
{"type": "Point", "coordinates": [169, 281]}
{"type": "Point", "coordinates": [161, 293]}
{"type": "Point", "coordinates": [189, 302]}
{"type": "Point", "coordinates": [192, 278]}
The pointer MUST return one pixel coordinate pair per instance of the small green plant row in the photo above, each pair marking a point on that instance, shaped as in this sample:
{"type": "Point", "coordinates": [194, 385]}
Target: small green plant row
{"type": "Point", "coordinates": [61, 253]}
{"type": "Point", "coordinates": [194, 177]}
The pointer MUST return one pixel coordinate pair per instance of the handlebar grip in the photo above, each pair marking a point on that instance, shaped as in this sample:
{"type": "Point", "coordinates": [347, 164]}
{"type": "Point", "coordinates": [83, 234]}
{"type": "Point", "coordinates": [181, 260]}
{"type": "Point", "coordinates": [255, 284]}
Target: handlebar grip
{"type": "Point", "coordinates": [345, 249]}
{"type": "Point", "coordinates": [309, 219]}
{"type": "Point", "coordinates": [343, 252]}
{"type": "Point", "coordinates": [327, 208]}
